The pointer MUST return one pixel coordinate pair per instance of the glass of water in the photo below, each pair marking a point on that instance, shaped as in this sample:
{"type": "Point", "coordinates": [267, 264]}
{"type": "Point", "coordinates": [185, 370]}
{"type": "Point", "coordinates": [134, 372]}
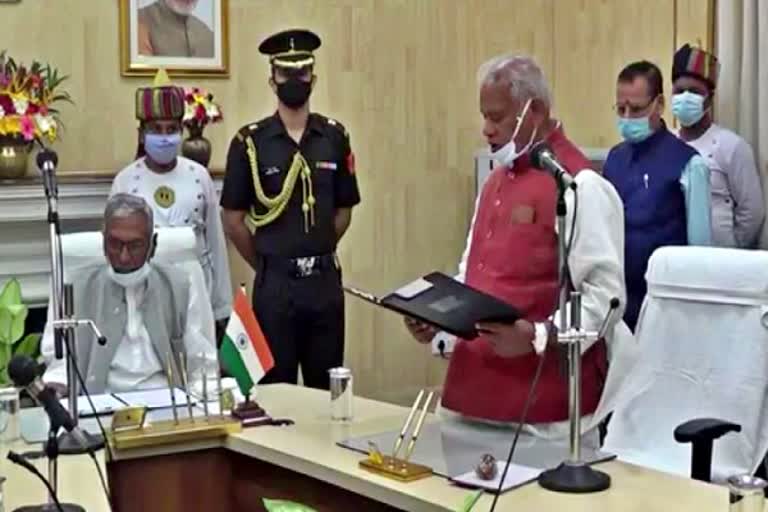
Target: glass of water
{"type": "Point", "coordinates": [9, 415]}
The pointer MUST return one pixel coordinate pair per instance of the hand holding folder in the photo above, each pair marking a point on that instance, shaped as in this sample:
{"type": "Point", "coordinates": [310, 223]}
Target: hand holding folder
{"type": "Point", "coordinates": [444, 303]}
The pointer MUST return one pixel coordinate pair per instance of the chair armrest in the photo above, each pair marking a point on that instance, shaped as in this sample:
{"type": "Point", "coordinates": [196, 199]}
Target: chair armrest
{"type": "Point", "coordinates": [701, 433]}
{"type": "Point", "coordinates": [704, 429]}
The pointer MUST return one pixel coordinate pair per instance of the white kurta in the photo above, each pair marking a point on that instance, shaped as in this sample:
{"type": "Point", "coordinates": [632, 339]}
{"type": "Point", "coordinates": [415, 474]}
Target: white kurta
{"type": "Point", "coordinates": [737, 198]}
{"type": "Point", "coordinates": [185, 196]}
{"type": "Point", "coordinates": [135, 365]}
{"type": "Point", "coordinates": [596, 263]}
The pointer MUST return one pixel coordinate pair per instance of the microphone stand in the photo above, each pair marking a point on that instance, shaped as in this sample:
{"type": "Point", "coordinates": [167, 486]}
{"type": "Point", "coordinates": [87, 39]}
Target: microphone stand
{"type": "Point", "coordinates": [63, 305]}
{"type": "Point", "coordinates": [52, 453]}
{"type": "Point", "coordinates": [573, 475]}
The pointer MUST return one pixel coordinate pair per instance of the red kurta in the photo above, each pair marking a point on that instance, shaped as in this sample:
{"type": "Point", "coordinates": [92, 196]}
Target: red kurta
{"type": "Point", "coordinates": [513, 256]}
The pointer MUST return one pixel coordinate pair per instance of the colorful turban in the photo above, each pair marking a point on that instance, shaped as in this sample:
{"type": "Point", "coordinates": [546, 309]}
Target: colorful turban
{"type": "Point", "coordinates": [695, 62]}
{"type": "Point", "coordinates": [162, 101]}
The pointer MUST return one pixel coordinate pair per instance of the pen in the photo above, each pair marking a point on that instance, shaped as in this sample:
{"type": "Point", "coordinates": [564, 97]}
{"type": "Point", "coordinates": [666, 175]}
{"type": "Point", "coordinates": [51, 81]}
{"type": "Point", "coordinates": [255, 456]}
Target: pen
{"type": "Point", "coordinates": [419, 423]}
{"type": "Point", "coordinates": [399, 441]}
{"type": "Point", "coordinates": [169, 374]}
{"type": "Point", "coordinates": [185, 383]}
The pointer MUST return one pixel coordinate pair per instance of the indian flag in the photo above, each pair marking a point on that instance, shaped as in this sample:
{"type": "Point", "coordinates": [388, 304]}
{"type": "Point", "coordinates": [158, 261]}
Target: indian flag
{"type": "Point", "coordinates": [244, 350]}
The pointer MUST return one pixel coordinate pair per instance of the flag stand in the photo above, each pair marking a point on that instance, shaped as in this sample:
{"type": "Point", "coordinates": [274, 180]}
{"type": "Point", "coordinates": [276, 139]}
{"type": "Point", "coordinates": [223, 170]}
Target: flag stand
{"type": "Point", "coordinates": [248, 410]}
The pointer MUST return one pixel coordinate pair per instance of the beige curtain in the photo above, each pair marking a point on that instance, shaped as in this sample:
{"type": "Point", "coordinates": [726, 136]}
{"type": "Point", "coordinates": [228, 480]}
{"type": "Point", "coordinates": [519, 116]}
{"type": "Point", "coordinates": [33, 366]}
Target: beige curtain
{"type": "Point", "coordinates": [742, 103]}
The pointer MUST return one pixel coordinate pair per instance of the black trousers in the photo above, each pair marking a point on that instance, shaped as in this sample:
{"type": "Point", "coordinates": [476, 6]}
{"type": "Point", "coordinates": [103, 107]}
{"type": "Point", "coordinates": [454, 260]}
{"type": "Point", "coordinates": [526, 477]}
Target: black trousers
{"type": "Point", "coordinates": [303, 321]}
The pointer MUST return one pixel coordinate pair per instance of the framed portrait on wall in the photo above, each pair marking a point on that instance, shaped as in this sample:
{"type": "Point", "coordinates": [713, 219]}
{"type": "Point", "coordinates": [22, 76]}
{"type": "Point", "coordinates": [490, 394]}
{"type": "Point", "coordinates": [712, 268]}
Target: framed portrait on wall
{"type": "Point", "coordinates": [186, 37]}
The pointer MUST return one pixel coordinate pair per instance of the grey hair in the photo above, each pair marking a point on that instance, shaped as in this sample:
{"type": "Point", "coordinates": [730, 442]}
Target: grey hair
{"type": "Point", "coordinates": [525, 78]}
{"type": "Point", "coordinates": [122, 205]}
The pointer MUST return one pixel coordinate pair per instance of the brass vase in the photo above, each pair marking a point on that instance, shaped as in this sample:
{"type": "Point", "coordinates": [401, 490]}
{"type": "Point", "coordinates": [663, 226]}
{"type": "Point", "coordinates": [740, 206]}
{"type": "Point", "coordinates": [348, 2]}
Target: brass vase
{"type": "Point", "coordinates": [196, 147]}
{"type": "Point", "coordinates": [14, 154]}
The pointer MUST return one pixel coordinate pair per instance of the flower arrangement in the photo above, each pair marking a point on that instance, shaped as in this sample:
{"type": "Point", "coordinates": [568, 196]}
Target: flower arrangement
{"type": "Point", "coordinates": [200, 110]}
{"type": "Point", "coordinates": [26, 99]}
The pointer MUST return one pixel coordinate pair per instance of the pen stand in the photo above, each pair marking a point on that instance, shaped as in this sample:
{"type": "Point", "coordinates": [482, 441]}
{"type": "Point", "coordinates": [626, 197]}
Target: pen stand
{"type": "Point", "coordinates": [392, 466]}
{"type": "Point", "coordinates": [396, 469]}
{"type": "Point", "coordinates": [125, 436]}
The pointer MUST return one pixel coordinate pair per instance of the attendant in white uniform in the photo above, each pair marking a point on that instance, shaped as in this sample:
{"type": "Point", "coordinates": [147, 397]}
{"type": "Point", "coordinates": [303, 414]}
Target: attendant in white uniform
{"type": "Point", "coordinates": [148, 312]}
{"type": "Point", "coordinates": [179, 190]}
{"type": "Point", "coordinates": [737, 199]}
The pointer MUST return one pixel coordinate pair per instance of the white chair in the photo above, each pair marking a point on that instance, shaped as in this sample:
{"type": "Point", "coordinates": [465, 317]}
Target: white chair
{"type": "Point", "coordinates": [175, 246]}
{"type": "Point", "coordinates": [701, 351]}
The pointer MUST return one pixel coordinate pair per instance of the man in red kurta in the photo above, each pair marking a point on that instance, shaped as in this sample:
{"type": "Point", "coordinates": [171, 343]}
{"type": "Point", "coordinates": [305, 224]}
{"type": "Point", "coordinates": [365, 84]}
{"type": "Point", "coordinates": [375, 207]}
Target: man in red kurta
{"type": "Point", "coordinates": [513, 255]}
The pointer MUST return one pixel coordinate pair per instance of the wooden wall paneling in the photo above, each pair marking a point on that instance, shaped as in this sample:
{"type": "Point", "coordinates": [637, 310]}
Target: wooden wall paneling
{"type": "Point", "coordinates": [401, 76]}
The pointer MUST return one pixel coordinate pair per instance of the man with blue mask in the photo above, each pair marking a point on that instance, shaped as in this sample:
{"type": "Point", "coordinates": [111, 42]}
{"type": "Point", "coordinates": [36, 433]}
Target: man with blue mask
{"type": "Point", "coordinates": [663, 182]}
{"type": "Point", "coordinates": [179, 190]}
{"type": "Point", "coordinates": [737, 200]}
{"type": "Point", "coordinates": [148, 311]}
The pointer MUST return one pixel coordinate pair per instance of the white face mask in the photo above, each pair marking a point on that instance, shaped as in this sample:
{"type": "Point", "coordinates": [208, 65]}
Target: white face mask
{"type": "Point", "coordinates": [130, 279]}
{"type": "Point", "coordinates": [508, 153]}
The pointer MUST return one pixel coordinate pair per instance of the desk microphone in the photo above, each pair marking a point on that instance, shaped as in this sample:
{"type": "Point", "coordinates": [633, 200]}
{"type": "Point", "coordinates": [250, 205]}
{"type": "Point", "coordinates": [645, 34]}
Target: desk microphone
{"type": "Point", "coordinates": [23, 371]}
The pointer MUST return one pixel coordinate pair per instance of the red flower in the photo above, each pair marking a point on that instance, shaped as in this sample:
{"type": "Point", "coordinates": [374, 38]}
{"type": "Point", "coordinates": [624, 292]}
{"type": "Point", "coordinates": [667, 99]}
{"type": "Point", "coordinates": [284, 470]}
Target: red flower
{"type": "Point", "coordinates": [7, 103]}
{"type": "Point", "coordinates": [200, 113]}
{"type": "Point", "coordinates": [43, 110]}
{"type": "Point", "coordinates": [33, 108]}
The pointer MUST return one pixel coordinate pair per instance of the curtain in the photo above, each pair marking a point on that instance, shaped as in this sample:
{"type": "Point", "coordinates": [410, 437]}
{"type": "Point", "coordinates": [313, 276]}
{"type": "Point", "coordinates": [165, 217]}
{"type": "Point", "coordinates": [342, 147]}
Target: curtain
{"type": "Point", "coordinates": [742, 98]}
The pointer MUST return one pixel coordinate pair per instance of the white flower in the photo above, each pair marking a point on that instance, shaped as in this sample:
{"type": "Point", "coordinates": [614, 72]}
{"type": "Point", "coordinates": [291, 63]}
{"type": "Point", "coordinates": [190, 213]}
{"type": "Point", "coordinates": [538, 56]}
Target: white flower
{"type": "Point", "coordinates": [212, 111]}
{"type": "Point", "coordinates": [2, 111]}
{"type": "Point", "coordinates": [189, 112]}
{"type": "Point", "coordinates": [45, 123]}
{"type": "Point", "coordinates": [20, 104]}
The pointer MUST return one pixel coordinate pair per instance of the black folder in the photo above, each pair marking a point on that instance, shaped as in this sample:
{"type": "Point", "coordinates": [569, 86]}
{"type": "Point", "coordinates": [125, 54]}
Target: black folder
{"type": "Point", "coordinates": [445, 303]}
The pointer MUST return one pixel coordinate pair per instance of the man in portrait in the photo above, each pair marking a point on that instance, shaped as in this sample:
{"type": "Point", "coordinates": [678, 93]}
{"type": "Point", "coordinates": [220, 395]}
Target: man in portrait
{"type": "Point", "coordinates": [168, 28]}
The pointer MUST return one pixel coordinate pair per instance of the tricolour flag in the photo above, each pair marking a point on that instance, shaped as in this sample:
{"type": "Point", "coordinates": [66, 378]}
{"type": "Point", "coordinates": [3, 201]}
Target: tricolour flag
{"type": "Point", "coordinates": [244, 350]}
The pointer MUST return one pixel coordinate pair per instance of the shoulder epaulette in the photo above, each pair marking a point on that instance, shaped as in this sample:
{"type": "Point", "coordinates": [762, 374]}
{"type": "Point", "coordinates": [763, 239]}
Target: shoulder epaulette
{"type": "Point", "coordinates": [337, 125]}
{"type": "Point", "coordinates": [250, 129]}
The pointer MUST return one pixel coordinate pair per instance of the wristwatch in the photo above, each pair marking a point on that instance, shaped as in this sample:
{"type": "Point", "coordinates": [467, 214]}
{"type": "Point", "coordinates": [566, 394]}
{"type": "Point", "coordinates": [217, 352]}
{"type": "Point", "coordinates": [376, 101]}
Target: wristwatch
{"type": "Point", "coordinates": [544, 332]}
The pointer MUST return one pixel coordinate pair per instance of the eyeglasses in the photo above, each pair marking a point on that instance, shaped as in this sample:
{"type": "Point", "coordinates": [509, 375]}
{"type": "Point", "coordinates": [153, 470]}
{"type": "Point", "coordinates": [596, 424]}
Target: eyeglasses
{"type": "Point", "coordinates": [134, 247]}
{"type": "Point", "coordinates": [629, 110]}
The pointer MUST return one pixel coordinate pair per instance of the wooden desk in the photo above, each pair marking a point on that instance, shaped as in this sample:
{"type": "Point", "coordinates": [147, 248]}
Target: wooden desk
{"type": "Point", "coordinates": [302, 462]}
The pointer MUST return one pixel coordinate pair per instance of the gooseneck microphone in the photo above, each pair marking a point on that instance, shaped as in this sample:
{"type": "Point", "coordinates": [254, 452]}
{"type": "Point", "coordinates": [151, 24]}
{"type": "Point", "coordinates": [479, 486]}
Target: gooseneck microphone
{"type": "Point", "coordinates": [543, 158]}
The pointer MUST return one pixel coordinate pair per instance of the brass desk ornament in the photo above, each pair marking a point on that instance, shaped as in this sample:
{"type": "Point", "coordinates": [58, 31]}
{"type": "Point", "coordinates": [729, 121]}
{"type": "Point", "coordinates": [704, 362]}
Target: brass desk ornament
{"type": "Point", "coordinates": [393, 467]}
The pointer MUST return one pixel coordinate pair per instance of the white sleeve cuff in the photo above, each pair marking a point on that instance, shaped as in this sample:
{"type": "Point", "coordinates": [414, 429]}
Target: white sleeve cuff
{"type": "Point", "coordinates": [540, 338]}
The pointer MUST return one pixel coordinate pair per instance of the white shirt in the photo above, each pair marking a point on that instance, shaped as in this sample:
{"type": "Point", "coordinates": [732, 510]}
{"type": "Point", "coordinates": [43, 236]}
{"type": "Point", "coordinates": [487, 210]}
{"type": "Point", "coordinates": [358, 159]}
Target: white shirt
{"type": "Point", "coordinates": [737, 199]}
{"type": "Point", "coordinates": [596, 263]}
{"type": "Point", "coordinates": [185, 196]}
{"type": "Point", "coordinates": [135, 365]}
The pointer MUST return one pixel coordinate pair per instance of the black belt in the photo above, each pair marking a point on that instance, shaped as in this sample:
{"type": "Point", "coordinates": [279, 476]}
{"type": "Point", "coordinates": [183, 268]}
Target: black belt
{"type": "Point", "coordinates": [305, 266]}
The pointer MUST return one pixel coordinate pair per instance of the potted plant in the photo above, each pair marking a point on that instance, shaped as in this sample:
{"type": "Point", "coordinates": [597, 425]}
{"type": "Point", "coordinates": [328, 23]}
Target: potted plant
{"type": "Point", "coordinates": [200, 111]}
{"type": "Point", "coordinates": [13, 314]}
{"type": "Point", "coordinates": [27, 96]}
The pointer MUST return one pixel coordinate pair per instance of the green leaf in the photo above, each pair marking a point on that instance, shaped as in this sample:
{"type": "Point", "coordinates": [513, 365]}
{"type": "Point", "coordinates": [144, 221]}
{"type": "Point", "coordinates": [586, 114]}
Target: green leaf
{"type": "Point", "coordinates": [470, 501]}
{"type": "Point", "coordinates": [5, 357]}
{"type": "Point", "coordinates": [11, 326]}
{"type": "Point", "coordinates": [11, 293]}
{"type": "Point", "coordinates": [28, 346]}
{"type": "Point", "coordinates": [285, 506]}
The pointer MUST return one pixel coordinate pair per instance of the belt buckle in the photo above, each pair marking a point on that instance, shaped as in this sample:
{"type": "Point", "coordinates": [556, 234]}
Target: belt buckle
{"type": "Point", "coordinates": [305, 267]}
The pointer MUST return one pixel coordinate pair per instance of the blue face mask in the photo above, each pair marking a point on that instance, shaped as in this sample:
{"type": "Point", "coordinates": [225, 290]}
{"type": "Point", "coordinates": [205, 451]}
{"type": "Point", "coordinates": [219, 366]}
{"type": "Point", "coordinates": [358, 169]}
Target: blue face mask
{"type": "Point", "coordinates": [688, 107]}
{"type": "Point", "coordinates": [634, 129]}
{"type": "Point", "coordinates": [162, 148]}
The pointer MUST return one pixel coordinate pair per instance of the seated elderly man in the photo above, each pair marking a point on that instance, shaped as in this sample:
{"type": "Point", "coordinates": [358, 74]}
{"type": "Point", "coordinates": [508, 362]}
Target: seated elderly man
{"type": "Point", "coordinates": [148, 311]}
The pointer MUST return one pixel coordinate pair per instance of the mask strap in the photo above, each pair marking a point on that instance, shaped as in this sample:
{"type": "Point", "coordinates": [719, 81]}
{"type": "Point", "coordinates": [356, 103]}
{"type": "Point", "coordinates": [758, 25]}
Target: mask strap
{"type": "Point", "coordinates": [521, 118]}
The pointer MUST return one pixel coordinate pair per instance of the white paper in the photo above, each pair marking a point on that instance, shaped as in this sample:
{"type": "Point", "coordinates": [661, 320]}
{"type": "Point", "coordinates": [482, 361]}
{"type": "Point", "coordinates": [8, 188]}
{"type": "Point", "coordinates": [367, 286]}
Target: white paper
{"type": "Point", "coordinates": [104, 404]}
{"type": "Point", "coordinates": [516, 476]}
{"type": "Point", "coordinates": [411, 290]}
{"type": "Point", "coordinates": [155, 398]}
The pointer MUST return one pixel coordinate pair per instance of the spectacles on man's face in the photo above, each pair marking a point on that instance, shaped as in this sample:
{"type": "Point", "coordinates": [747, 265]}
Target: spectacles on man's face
{"type": "Point", "coordinates": [629, 109]}
{"type": "Point", "coordinates": [135, 248]}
